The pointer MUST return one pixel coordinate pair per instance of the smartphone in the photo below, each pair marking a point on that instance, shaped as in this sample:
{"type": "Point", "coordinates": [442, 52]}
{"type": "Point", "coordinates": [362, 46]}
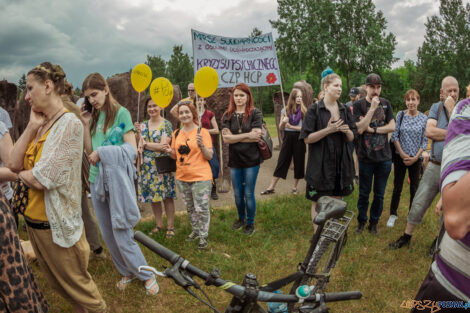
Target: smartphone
{"type": "Point", "coordinates": [88, 107]}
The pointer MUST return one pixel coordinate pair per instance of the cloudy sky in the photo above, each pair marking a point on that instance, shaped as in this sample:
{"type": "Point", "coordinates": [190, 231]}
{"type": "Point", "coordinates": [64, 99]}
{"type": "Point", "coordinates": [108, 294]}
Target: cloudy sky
{"type": "Point", "coordinates": [111, 36]}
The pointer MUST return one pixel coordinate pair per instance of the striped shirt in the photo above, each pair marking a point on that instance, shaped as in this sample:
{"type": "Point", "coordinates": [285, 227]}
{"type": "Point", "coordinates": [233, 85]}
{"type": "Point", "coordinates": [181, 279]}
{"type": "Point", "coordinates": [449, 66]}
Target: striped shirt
{"type": "Point", "coordinates": [452, 265]}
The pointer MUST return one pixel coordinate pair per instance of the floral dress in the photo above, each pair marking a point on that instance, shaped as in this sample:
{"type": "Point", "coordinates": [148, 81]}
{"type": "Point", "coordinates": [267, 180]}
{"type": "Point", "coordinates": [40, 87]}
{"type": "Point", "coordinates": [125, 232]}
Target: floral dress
{"type": "Point", "coordinates": [154, 187]}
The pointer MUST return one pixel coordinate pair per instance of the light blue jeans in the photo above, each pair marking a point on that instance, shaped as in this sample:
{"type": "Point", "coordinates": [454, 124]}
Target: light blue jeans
{"type": "Point", "coordinates": [244, 182]}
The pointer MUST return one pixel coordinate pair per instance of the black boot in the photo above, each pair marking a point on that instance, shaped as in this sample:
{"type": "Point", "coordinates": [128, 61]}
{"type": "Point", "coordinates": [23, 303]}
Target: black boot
{"type": "Point", "coordinates": [214, 195]}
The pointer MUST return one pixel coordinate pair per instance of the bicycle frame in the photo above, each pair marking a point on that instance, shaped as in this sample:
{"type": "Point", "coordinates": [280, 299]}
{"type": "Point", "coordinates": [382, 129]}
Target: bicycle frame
{"type": "Point", "coordinates": [246, 296]}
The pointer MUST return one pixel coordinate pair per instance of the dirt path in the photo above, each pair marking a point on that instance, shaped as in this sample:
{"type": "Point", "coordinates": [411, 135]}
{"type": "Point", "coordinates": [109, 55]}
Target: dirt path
{"type": "Point", "coordinates": [264, 179]}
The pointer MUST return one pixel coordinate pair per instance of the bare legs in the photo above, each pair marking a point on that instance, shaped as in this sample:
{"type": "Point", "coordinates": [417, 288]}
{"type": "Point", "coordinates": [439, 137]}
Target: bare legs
{"type": "Point", "coordinates": [169, 211]}
{"type": "Point", "coordinates": [274, 181]}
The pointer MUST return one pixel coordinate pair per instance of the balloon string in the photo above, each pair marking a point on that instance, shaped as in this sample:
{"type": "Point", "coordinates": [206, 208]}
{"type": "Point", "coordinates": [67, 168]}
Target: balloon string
{"type": "Point", "coordinates": [198, 111]}
{"type": "Point", "coordinates": [138, 107]}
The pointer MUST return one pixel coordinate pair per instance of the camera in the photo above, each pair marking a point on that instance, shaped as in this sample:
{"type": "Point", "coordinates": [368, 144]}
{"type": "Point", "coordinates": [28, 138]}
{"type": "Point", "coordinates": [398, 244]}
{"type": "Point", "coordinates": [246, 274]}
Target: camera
{"type": "Point", "coordinates": [184, 149]}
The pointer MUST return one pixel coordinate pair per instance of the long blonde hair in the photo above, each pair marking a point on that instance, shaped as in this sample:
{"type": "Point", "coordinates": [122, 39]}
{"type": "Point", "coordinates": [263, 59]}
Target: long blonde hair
{"type": "Point", "coordinates": [292, 105]}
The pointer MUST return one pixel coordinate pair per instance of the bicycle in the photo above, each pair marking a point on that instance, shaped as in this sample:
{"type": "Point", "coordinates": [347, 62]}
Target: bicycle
{"type": "Point", "coordinates": [332, 220]}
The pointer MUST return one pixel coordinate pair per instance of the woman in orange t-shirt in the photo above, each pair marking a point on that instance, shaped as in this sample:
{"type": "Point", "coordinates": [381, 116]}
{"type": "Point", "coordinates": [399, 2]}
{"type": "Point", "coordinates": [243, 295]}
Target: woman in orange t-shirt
{"type": "Point", "coordinates": [191, 146]}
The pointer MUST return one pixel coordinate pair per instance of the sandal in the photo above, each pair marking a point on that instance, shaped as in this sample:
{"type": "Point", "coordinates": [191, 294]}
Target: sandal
{"type": "Point", "coordinates": [122, 284]}
{"type": "Point", "coordinates": [267, 192]}
{"type": "Point", "coordinates": [170, 233]}
{"type": "Point", "coordinates": [149, 289]}
{"type": "Point", "coordinates": [155, 230]}
{"type": "Point", "coordinates": [294, 191]}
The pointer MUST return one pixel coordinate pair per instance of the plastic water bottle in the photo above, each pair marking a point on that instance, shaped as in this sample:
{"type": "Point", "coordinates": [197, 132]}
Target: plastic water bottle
{"type": "Point", "coordinates": [304, 291]}
{"type": "Point", "coordinates": [277, 307]}
{"type": "Point", "coordinates": [115, 135]}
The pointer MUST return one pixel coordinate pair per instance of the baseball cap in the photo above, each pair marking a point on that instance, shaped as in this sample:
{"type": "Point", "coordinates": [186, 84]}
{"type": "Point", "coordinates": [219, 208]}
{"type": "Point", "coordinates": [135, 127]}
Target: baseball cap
{"type": "Point", "coordinates": [354, 92]}
{"type": "Point", "coordinates": [373, 79]}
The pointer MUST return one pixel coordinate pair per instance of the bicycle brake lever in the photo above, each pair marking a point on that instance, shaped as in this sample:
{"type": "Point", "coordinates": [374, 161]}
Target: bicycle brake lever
{"type": "Point", "coordinates": [177, 276]}
{"type": "Point", "coordinates": [151, 269]}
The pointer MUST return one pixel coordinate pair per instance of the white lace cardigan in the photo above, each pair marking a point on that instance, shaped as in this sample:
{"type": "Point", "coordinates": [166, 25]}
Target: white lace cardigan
{"type": "Point", "coordinates": [59, 170]}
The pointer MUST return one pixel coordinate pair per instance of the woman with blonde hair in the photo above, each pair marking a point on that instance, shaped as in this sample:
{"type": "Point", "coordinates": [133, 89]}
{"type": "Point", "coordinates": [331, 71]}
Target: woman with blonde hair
{"type": "Point", "coordinates": [292, 146]}
{"type": "Point", "coordinates": [328, 127]}
{"type": "Point", "coordinates": [48, 157]}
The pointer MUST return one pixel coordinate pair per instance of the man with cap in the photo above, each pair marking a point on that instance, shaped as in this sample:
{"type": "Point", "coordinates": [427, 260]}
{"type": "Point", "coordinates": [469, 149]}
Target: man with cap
{"type": "Point", "coordinates": [374, 119]}
{"type": "Point", "coordinates": [353, 96]}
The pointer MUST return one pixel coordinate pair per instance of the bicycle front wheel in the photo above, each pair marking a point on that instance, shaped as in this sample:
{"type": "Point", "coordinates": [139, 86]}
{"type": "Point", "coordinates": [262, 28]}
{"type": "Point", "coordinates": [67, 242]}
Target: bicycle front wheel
{"type": "Point", "coordinates": [310, 270]}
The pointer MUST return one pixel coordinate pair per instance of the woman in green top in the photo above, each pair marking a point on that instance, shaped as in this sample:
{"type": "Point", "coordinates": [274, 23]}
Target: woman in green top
{"type": "Point", "coordinates": [110, 123]}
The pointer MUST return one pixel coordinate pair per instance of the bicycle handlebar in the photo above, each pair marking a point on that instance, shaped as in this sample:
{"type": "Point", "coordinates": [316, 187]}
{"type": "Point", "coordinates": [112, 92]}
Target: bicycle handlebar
{"type": "Point", "coordinates": [228, 286]}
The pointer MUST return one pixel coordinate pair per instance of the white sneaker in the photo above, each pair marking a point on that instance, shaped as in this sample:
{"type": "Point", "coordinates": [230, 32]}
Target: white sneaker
{"type": "Point", "coordinates": [391, 220]}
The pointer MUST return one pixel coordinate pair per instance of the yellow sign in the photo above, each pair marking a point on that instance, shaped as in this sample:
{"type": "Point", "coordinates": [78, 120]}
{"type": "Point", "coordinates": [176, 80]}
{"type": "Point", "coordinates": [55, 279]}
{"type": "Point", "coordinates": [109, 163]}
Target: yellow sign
{"type": "Point", "coordinates": [141, 76]}
{"type": "Point", "coordinates": [161, 92]}
{"type": "Point", "coordinates": [206, 81]}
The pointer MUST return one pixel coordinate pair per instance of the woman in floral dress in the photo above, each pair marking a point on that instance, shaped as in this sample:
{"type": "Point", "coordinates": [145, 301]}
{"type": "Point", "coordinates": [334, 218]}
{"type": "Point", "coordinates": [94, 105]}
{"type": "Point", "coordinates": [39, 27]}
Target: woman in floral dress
{"type": "Point", "coordinates": [153, 187]}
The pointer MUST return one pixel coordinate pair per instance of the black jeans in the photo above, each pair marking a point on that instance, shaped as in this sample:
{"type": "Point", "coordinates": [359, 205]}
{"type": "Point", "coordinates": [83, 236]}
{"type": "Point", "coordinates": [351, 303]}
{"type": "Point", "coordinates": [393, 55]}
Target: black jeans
{"type": "Point", "coordinates": [399, 175]}
{"type": "Point", "coordinates": [294, 147]}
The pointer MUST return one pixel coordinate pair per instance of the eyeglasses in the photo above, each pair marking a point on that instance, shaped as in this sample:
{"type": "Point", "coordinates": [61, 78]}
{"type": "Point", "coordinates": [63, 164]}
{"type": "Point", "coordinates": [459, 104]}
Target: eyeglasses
{"type": "Point", "coordinates": [191, 90]}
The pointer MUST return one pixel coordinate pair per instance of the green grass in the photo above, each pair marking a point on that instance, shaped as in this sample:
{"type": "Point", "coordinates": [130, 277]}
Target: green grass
{"type": "Point", "coordinates": [271, 124]}
{"type": "Point", "coordinates": [283, 231]}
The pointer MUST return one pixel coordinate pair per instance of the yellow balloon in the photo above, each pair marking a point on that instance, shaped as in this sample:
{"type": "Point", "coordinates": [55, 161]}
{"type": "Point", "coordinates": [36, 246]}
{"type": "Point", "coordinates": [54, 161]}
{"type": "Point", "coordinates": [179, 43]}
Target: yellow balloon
{"type": "Point", "coordinates": [141, 76]}
{"type": "Point", "coordinates": [161, 92]}
{"type": "Point", "coordinates": [206, 81]}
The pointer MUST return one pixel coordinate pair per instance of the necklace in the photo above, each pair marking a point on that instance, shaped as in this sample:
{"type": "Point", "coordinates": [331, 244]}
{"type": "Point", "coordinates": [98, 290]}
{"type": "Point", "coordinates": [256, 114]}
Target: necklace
{"type": "Point", "coordinates": [42, 132]}
{"type": "Point", "coordinates": [59, 110]}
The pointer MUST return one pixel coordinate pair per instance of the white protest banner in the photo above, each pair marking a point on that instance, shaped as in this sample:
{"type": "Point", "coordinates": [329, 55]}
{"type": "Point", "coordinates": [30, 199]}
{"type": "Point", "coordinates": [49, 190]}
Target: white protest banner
{"type": "Point", "coordinates": [237, 60]}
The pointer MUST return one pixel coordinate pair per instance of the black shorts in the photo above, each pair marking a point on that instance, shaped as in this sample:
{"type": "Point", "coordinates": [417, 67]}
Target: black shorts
{"type": "Point", "coordinates": [313, 195]}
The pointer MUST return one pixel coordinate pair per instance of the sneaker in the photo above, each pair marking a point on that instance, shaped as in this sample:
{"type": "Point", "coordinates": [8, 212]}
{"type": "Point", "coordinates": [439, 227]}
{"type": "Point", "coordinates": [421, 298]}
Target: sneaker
{"type": "Point", "coordinates": [391, 220]}
{"type": "Point", "coordinates": [360, 228]}
{"type": "Point", "coordinates": [249, 229]}
{"type": "Point", "coordinates": [404, 240]}
{"type": "Point", "coordinates": [372, 229]}
{"type": "Point", "coordinates": [238, 224]}
{"type": "Point", "coordinates": [202, 243]}
{"type": "Point", "coordinates": [192, 236]}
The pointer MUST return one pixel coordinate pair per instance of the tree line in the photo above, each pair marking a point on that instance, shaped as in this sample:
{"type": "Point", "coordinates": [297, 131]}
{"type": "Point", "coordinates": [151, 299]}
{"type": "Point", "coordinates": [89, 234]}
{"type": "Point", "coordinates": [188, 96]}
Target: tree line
{"type": "Point", "coordinates": [351, 37]}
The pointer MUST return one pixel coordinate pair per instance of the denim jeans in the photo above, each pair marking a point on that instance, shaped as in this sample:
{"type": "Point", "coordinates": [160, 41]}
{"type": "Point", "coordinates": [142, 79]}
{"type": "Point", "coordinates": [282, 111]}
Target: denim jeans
{"type": "Point", "coordinates": [244, 182]}
{"type": "Point", "coordinates": [378, 172]}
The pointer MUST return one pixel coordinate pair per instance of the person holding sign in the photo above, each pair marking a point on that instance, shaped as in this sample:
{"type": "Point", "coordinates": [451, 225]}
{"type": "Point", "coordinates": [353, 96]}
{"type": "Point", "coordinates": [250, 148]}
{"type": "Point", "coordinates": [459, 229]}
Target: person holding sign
{"type": "Point", "coordinates": [292, 146]}
{"type": "Point", "coordinates": [155, 187]}
{"type": "Point", "coordinates": [109, 139]}
{"type": "Point", "coordinates": [209, 122]}
{"type": "Point", "coordinates": [191, 146]}
{"type": "Point", "coordinates": [328, 127]}
{"type": "Point", "coordinates": [241, 130]}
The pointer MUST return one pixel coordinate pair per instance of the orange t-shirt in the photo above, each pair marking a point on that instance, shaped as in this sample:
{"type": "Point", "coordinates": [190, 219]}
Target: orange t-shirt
{"type": "Point", "coordinates": [193, 166]}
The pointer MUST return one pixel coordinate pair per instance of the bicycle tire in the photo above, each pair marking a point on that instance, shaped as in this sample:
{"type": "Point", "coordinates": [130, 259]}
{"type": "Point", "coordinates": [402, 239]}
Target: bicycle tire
{"type": "Point", "coordinates": [330, 264]}
{"type": "Point", "coordinates": [311, 268]}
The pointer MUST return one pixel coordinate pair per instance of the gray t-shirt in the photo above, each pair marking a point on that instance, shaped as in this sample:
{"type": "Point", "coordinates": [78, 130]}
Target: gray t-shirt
{"type": "Point", "coordinates": [287, 129]}
{"type": "Point", "coordinates": [5, 118]}
{"type": "Point", "coordinates": [5, 185]}
{"type": "Point", "coordinates": [442, 117]}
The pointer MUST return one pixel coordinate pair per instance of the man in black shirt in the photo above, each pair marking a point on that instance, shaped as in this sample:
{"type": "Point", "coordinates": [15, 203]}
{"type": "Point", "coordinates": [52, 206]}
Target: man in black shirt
{"type": "Point", "coordinates": [374, 119]}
